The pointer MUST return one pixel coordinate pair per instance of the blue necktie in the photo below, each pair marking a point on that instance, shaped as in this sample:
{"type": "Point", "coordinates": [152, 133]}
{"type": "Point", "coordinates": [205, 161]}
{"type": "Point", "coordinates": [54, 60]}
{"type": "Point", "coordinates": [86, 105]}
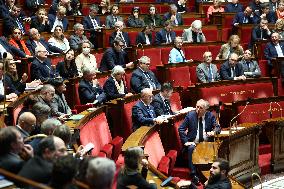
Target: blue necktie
{"type": "Point", "coordinates": [150, 111]}
{"type": "Point", "coordinates": [210, 77]}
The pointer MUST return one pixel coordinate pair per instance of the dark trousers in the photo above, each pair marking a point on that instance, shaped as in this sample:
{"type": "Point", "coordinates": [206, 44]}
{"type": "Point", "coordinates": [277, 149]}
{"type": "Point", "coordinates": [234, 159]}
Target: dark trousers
{"type": "Point", "coordinates": [190, 150]}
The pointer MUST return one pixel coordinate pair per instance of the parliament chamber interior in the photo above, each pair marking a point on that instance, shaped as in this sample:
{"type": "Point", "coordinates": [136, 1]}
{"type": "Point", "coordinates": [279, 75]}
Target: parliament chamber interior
{"type": "Point", "coordinates": [247, 107]}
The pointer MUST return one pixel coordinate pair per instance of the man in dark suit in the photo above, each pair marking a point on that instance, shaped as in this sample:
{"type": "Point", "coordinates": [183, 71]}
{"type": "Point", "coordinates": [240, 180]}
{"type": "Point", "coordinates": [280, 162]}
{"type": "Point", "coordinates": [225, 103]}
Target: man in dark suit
{"type": "Point", "coordinates": [92, 21]}
{"type": "Point", "coordinates": [165, 35]}
{"type": "Point", "coordinates": [234, 6]}
{"type": "Point", "coordinates": [161, 101]}
{"type": "Point", "coordinates": [119, 33]}
{"type": "Point", "coordinates": [58, 19]}
{"type": "Point", "coordinates": [33, 5]}
{"type": "Point", "coordinates": [115, 56]}
{"type": "Point", "coordinates": [113, 18]}
{"type": "Point", "coordinates": [198, 126]}
{"type": "Point", "coordinates": [273, 50]}
{"type": "Point", "coordinates": [232, 69]}
{"type": "Point", "coordinates": [26, 124]}
{"type": "Point", "coordinates": [265, 13]}
{"type": "Point", "coordinates": [39, 168]}
{"type": "Point", "coordinates": [78, 37]}
{"type": "Point", "coordinates": [260, 32]}
{"type": "Point", "coordinates": [6, 47]}
{"type": "Point", "coordinates": [89, 89]}
{"type": "Point", "coordinates": [35, 40]}
{"type": "Point", "coordinates": [142, 77]}
{"type": "Point", "coordinates": [251, 68]}
{"type": "Point", "coordinates": [145, 36]}
{"type": "Point", "coordinates": [143, 113]}
{"type": "Point", "coordinates": [12, 144]}
{"type": "Point", "coordinates": [245, 17]}
{"type": "Point", "coordinates": [41, 66]}
{"type": "Point", "coordinates": [173, 16]}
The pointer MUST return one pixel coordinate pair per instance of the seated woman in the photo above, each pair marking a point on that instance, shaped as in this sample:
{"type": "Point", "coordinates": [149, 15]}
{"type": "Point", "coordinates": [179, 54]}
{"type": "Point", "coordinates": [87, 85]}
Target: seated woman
{"type": "Point", "coordinates": [145, 36]}
{"type": "Point", "coordinates": [114, 86]}
{"type": "Point", "coordinates": [59, 40]}
{"type": "Point", "coordinates": [176, 54]}
{"type": "Point", "coordinates": [134, 20]}
{"type": "Point", "coordinates": [85, 58]}
{"type": "Point", "coordinates": [104, 7]}
{"type": "Point", "coordinates": [67, 69]}
{"type": "Point", "coordinates": [280, 10]}
{"type": "Point", "coordinates": [279, 28]}
{"type": "Point", "coordinates": [40, 21]}
{"type": "Point", "coordinates": [129, 174]}
{"type": "Point", "coordinates": [194, 33]}
{"type": "Point", "coordinates": [17, 41]}
{"type": "Point", "coordinates": [233, 46]}
{"type": "Point", "coordinates": [153, 18]}
{"type": "Point", "coordinates": [59, 106]}
{"type": "Point", "coordinates": [216, 7]}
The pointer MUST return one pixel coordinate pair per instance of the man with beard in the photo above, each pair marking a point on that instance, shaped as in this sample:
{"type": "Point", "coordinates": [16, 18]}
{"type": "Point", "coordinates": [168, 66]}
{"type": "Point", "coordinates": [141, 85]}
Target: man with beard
{"type": "Point", "coordinates": [219, 175]}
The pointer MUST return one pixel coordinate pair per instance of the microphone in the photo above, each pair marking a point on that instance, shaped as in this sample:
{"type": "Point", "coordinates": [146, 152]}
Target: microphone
{"type": "Point", "coordinates": [247, 102]}
{"type": "Point", "coordinates": [270, 110]}
{"type": "Point", "coordinates": [279, 107]}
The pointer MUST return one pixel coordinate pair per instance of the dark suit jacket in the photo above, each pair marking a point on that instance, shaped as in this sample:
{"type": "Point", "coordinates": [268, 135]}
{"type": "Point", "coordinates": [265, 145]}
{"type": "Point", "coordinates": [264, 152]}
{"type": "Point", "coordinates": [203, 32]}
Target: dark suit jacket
{"type": "Point", "coordinates": [111, 90]}
{"type": "Point", "coordinates": [190, 123]}
{"type": "Point", "coordinates": [12, 86]}
{"type": "Point", "coordinates": [230, 7]}
{"type": "Point", "coordinates": [135, 22]}
{"type": "Point", "coordinates": [149, 20]}
{"type": "Point", "coordinates": [113, 36]}
{"type": "Point", "coordinates": [140, 38]}
{"type": "Point", "coordinates": [256, 34]}
{"type": "Point", "coordinates": [139, 80]}
{"type": "Point", "coordinates": [270, 51]}
{"type": "Point", "coordinates": [112, 58]}
{"type": "Point", "coordinates": [141, 116]}
{"type": "Point", "coordinates": [51, 19]}
{"type": "Point", "coordinates": [88, 23]}
{"type": "Point", "coordinates": [11, 49]}
{"type": "Point", "coordinates": [225, 71]}
{"type": "Point", "coordinates": [67, 73]}
{"type": "Point", "coordinates": [161, 36]}
{"type": "Point", "coordinates": [220, 184]}
{"type": "Point", "coordinates": [239, 18]}
{"type": "Point", "coordinates": [159, 106]}
{"type": "Point", "coordinates": [255, 7]}
{"type": "Point", "coordinates": [35, 23]}
{"type": "Point", "coordinates": [32, 4]}
{"type": "Point", "coordinates": [51, 49]}
{"type": "Point", "coordinates": [11, 162]}
{"type": "Point", "coordinates": [37, 169]}
{"type": "Point", "coordinates": [59, 105]}
{"type": "Point", "coordinates": [42, 71]}
{"type": "Point", "coordinates": [88, 93]}
{"type": "Point", "coordinates": [168, 15]}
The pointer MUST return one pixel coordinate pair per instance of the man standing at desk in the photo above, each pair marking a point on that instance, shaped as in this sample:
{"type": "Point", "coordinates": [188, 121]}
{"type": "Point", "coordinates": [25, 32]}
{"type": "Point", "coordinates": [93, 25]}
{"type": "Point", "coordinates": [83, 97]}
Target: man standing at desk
{"type": "Point", "coordinates": [200, 126]}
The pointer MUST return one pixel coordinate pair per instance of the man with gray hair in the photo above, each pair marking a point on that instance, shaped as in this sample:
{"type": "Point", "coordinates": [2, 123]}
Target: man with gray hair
{"type": "Point", "coordinates": [100, 173]}
{"type": "Point", "coordinates": [26, 124]}
{"type": "Point", "coordinates": [143, 77]}
{"type": "Point", "coordinates": [76, 39]}
{"type": "Point", "coordinates": [89, 89]}
{"type": "Point", "coordinates": [143, 113]}
{"type": "Point", "coordinates": [119, 33]}
{"type": "Point", "coordinates": [49, 125]}
{"type": "Point", "coordinates": [194, 34]}
{"type": "Point", "coordinates": [46, 95]}
{"type": "Point", "coordinates": [173, 16]}
{"type": "Point", "coordinates": [35, 40]}
{"type": "Point", "coordinates": [198, 126]}
{"type": "Point", "coordinates": [41, 68]}
{"type": "Point", "coordinates": [59, 19]}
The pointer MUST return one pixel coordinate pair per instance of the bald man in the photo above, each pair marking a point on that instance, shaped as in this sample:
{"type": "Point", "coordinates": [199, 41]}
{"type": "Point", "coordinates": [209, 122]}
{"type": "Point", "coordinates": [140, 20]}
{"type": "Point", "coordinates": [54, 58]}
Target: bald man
{"type": "Point", "coordinates": [143, 113]}
{"type": "Point", "coordinates": [26, 124]}
{"type": "Point", "coordinates": [232, 69]}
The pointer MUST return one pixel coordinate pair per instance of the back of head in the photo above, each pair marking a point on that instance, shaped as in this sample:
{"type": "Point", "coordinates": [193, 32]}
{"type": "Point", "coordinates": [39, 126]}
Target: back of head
{"type": "Point", "coordinates": [48, 126]}
{"type": "Point", "coordinates": [132, 156]}
{"type": "Point", "coordinates": [223, 165]}
{"type": "Point", "coordinates": [63, 132]}
{"type": "Point", "coordinates": [166, 87]}
{"type": "Point", "coordinates": [46, 143]}
{"type": "Point", "coordinates": [39, 109]}
{"type": "Point", "coordinates": [7, 137]}
{"type": "Point", "coordinates": [100, 173]}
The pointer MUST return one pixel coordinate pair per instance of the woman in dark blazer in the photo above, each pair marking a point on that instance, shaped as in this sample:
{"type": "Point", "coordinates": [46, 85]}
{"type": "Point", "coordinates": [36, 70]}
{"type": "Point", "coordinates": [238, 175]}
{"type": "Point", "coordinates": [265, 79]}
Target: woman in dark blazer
{"type": "Point", "coordinates": [40, 21]}
{"type": "Point", "coordinates": [130, 175]}
{"type": "Point", "coordinates": [67, 69]}
{"type": "Point", "coordinates": [114, 86]}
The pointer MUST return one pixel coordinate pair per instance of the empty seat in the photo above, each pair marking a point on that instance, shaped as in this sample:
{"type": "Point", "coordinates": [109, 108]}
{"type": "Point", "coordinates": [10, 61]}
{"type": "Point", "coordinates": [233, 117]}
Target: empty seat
{"type": "Point", "coordinates": [153, 53]}
{"type": "Point", "coordinates": [180, 76]}
{"type": "Point", "coordinates": [195, 52]}
{"type": "Point", "coordinates": [165, 51]}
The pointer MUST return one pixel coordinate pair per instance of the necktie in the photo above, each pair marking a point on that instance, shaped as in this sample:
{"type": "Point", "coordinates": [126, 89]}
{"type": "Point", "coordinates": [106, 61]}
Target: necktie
{"type": "Point", "coordinates": [233, 72]}
{"type": "Point", "coordinates": [151, 83]}
{"type": "Point", "coordinates": [167, 105]}
{"type": "Point", "coordinates": [115, 19]}
{"type": "Point", "coordinates": [150, 111]}
{"type": "Point", "coordinates": [169, 38]}
{"type": "Point", "coordinates": [200, 130]}
{"type": "Point", "coordinates": [210, 77]}
{"type": "Point", "coordinates": [248, 65]}
{"type": "Point", "coordinates": [20, 26]}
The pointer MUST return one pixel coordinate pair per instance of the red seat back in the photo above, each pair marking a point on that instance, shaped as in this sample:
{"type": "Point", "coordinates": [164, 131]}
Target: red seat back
{"type": "Point", "coordinates": [127, 117]}
{"type": "Point", "coordinates": [195, 52]}
{"type": "Point", "coordinates": [99, 57]}
{"type": "Point", "coordinates": [16, 112]}
{"type": "Point", "coordinates": [175, 102]}
{"type": "Point", "coordinates": [153, 53]}
{"type": "Point", "coordinates": [56, 59]}
{"type": "Point", "coordinates": [154, 148]}
{"type": "Point", "coordinates": [193, 76]}
{"type": "Point", "coordinates": [263, 65]}
{"type": "Point", "coordinates": [97, 132]}
{"type": "Point", "coordinates": [211, 34]}
{"type": "Point", "coordinates": [127, 80]}
{"type": "Point", "coordinates": [165, 54]}
{"type": "Point", "coordinates": [236, 92]}
{"type": "Point", "coordinates": [132, 36]}
{"type": "Point", "coordinates": [180, 76]}
{"type": "Point", "coordinates": [214, 49]}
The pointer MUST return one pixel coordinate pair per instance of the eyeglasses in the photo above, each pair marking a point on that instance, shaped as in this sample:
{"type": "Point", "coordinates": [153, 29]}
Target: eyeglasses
{"type": "Point", "coordinates": [19, 33]}
{"type": "Point", "coordinates": [146, 63]}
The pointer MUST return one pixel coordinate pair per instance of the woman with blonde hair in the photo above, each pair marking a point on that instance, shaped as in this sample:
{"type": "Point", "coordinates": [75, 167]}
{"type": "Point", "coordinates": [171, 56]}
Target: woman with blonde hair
{"type": "Point", "coordinates": [233, 46]}
{"type": "Point", "coordinates": [104, 7]}
{"type": "Point", "coordinates": [279, 27]}
{"type": "Point", "coordinates": [216, 7]}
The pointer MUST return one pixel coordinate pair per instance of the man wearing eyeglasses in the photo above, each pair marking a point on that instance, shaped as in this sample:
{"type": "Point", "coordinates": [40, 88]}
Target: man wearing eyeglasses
{"type": "Point", "coordinates": [115, 55]}
{"type": "Point", "coordinates": [119, 33]}
{"type": "Point", "coordinates": [232, 69]}
{"type": "Point", "coordinates": [206, 71]}
{"type": "Point", "coordinates": [143, 77]}
{"type": "Point", "coordinates": [26, 124]}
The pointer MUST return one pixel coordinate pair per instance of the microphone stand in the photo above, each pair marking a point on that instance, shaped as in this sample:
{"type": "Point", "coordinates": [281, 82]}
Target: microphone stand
{"type": "Point", "coordinates": [230, 131]}
{"type": "Point", "coordinates": [270, 110]}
